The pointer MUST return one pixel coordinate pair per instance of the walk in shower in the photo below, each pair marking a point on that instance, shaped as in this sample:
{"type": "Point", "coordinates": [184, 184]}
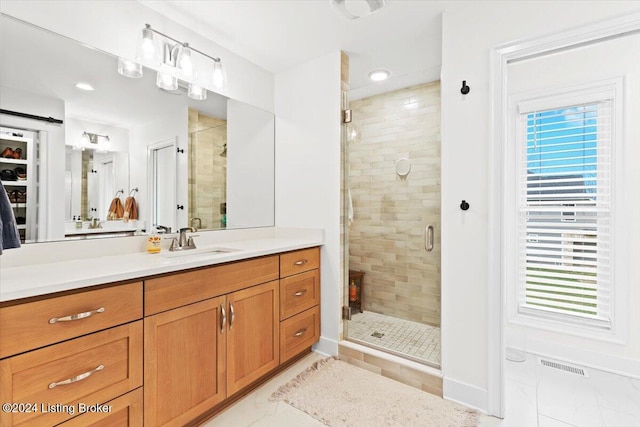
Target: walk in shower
{"type": "Point", "coordinates": [207, 171]}
{"type": "Point", "coordinates": [392, 222]}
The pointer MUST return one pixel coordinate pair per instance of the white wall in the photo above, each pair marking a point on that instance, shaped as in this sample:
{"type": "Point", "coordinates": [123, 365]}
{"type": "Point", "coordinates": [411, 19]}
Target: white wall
{"type": "Point", "coordinates": [250, 166]}
{"type": "Point", "coordinates": [114, 26]}
{"type": "Point", "coordinates": [308, 170]}
{"type": "Point", "coordinates": [51, 171]}
{"type": "Point", "coordinates": [470, 30]}
{"type": "Point", "coordinates": [173, 124]}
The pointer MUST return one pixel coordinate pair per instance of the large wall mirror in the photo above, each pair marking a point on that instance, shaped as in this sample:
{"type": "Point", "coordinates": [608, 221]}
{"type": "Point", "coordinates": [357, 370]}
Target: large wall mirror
{"type": "Point", "coordinates": [207, 164]}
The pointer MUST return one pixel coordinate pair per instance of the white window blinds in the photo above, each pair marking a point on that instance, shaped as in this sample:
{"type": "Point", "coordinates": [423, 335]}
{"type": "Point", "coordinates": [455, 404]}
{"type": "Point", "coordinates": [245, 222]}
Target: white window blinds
{"type": "Point", "coordinates": [565, 212]}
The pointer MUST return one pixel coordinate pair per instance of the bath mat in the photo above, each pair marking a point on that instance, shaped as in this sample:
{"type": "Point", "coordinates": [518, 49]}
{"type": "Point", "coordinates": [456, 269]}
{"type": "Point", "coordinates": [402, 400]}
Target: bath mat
{"type": "Point", "coordinates": [339, 394]}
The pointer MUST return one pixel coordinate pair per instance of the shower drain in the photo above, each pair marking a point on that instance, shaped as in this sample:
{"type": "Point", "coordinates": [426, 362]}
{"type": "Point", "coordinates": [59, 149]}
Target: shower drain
{"type": "Point", "coordinates": [377, 335]}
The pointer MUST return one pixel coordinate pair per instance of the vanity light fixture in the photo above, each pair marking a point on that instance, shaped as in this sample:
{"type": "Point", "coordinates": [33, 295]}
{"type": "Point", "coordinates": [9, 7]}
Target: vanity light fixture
{"type": "Point", "coordinates": [379, 75]}
{"type": "Point", "coordinates": [174, 60]}
{"type": "Point", "coordinates": [90, 140]}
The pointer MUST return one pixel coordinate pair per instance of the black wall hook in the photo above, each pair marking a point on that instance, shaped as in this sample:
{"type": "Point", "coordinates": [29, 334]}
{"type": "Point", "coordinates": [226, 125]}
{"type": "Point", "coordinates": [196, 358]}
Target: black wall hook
{"type": "Point", "coordinates": [465, 89]}
{"type": "Point", "coordinates": [464, 205]}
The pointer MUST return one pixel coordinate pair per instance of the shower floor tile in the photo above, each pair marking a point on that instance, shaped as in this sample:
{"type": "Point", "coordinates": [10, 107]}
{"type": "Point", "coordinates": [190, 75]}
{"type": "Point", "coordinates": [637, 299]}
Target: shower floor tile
{"type": "Point", "coordinates": [404, 337]}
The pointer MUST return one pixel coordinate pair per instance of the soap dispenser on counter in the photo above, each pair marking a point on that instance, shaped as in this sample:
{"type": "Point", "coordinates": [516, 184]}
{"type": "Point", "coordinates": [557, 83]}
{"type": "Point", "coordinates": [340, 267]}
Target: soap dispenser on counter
{"type": "Point", "coordinates": [153, 242]}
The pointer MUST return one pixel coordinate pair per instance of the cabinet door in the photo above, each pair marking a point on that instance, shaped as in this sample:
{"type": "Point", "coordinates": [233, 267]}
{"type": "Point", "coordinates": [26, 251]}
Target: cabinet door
{"type": "Point", "coordinates": [252, 343]}
{"type": "Point", "coordinates": [125, 411]}
{"type": "Point", "coordinates": [184, 362]}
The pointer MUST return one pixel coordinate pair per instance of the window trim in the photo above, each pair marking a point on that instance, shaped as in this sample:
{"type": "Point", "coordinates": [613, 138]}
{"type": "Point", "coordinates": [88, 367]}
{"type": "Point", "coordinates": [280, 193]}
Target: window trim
{"type": "Point", "coordinates": [561, 97]}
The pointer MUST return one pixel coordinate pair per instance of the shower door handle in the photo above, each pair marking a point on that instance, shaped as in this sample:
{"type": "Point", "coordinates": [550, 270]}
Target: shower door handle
{"type": "Point", "coordinates": [428, 238]}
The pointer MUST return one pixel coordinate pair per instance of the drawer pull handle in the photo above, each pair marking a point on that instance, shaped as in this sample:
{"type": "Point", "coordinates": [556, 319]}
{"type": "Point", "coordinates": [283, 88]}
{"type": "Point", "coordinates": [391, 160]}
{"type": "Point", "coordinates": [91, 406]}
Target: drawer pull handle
{"type": "Point", "coordinates": [223, 318]}
{"type": "Point", "coordinates": [300, 332]}
{"type": "Point", "coordinates": [78, 316]}
{"type": "Point", "coordinates": [301, 262]}
{"type": "Point", "coordinates": [300, 293]}
{"type": "Point", "coordinates": [232, 314]}
{"type": "Point", "coordinates": [76, 378]}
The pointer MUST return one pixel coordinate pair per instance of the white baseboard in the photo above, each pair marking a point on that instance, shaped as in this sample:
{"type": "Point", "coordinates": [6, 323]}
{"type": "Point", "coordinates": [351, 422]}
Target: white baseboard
{"type": "Point", "coordinates": [326, 346]}
{"type": "Point", "coordinates": [465, 394]}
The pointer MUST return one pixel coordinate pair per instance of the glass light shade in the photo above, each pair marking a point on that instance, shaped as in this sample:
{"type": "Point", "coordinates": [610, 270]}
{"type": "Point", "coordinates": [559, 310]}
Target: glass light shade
{"type": "Point", "coordinates": [219, 76]}
{"type": "Point", "coordinates": [166, 81]}
{"type": "Point", "coordinates": [184, 62]}
{"type": "Point", "coordinates": [79, 143]}
{"type": "Point", "coordinates": [197, 92]}
{"type": "Point", "coordinates": [149, 48]}
{"type": "Point", "coordinates": [129, 68]}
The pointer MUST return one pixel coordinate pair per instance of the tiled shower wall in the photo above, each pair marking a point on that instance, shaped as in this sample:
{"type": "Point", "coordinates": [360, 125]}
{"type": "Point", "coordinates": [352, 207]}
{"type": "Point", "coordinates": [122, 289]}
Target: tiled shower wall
{"type": "Point", "coordinates": [387, 235]}
{"type": "Point", "coordinates": [207, 169]}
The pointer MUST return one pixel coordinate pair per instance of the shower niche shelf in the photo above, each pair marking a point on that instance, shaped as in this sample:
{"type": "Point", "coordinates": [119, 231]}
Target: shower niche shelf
{"type": "Point", "coordinates": [358, 278]}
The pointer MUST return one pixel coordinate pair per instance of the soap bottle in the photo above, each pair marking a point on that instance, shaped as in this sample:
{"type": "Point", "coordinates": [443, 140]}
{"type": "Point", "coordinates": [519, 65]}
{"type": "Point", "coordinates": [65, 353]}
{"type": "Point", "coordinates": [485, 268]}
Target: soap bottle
{"type": "Point", "coordinates": [79, 222]}
{"type": "Point", "coordinates": [353, 291]}
{"type": "Point", "coordinates": [153, 242]}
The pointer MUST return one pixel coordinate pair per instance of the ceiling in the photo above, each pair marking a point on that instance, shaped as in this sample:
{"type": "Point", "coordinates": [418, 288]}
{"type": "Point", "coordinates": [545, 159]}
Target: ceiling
{"type": "Point", "coordinates": [404, 37]}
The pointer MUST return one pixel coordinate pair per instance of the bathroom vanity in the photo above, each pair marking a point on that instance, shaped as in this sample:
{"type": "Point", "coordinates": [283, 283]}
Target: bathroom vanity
{"type": "Point", "coordinates": [161, 349]}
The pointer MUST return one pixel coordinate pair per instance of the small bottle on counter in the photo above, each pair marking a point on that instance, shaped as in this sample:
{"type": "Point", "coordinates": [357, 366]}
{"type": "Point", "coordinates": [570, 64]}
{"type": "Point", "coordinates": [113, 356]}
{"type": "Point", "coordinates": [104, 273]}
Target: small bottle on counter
{"type": "Point", "coordinates": [78, 222]}
{"type": "Point", "coordinates": [153, 242]}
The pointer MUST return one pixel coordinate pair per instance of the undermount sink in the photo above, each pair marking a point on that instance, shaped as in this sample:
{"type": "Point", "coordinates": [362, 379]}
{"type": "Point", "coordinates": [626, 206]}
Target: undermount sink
{"type": "Point", "coordinates": [193, 252]}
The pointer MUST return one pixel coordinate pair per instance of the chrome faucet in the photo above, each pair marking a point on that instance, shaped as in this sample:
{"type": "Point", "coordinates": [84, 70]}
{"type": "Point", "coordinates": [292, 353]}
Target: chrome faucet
{"type": "Point", "coordinates": [183, 242]}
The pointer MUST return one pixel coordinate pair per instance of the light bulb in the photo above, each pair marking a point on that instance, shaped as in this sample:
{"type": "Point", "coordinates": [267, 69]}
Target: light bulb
{"type": "Point", "coordinates": [166, 81]}
{"type": "Point", "coordinates": [185, 63]}
{"type": "Point", "coordinates": [147, 45]}
{"type": "Point", "coordinates": [129, 68]}
{"type": "Point", "coordinates": [219, 76]}
{"type": "Point", "coordinates": [197, 92]}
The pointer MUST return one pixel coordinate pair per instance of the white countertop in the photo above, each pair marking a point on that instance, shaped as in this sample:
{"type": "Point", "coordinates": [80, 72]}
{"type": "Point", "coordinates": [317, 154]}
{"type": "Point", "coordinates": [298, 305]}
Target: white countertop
{"type": "Point", "coordinates": [24, 281]}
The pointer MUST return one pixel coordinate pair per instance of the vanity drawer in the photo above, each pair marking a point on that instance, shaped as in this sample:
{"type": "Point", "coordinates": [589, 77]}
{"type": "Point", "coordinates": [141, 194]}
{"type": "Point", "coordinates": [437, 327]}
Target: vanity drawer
{"type": "Point", "coordinates": [176, 290]}
{"type": "Point", "coordinates": [125, 411]}
{"type": "Point", "coordinates": [32, 325]}
{"type": "Point", "coordinates": [299, 333]}
{"type": "Point", "coordinates": [104, 365]}
{"type": "Point", "coordinates": [299, 293]}
{"type": "Point", "coordinates": [299, 261]}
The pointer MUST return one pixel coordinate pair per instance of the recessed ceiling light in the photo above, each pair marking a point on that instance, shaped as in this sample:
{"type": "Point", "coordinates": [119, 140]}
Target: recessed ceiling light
{"type": "Point", "coordinates": [379, 75]}
{"type": "Point", "coordinates": [84, 86]}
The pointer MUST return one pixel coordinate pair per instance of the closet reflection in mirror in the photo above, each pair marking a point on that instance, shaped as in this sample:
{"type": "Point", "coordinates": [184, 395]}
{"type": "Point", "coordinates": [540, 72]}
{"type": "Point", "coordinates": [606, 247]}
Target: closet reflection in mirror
{"type": "Point", "coordinates": [135, 114]}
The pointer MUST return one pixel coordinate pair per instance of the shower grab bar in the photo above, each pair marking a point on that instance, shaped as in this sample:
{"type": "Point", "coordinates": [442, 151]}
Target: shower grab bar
{"type": "Point", "coordinates": [428, 238]}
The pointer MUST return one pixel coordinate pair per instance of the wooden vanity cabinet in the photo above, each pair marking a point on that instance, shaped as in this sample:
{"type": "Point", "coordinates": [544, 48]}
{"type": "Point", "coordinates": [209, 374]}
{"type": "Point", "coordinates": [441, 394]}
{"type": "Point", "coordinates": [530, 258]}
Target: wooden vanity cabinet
{"type": "Point", "coordinates": [162, 352]}
{"type": "Point", "coordinates": [184, 362]}
{"type": "Point", "coordinates": [199, 354]}
{"type": "Point", "coordinates": [59, 352]}
{"type": "Point", "coordinates": [124, 411]}
{"type": "Point", "coordinates": [299, 301]}
{"type": "Point", "coordinates": [253, 335]}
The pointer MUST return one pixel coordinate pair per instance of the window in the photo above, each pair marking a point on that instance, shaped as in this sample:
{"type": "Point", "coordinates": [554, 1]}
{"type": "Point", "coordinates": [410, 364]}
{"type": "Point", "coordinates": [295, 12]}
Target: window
{"type": "Point", "coordinates": [564, 222]}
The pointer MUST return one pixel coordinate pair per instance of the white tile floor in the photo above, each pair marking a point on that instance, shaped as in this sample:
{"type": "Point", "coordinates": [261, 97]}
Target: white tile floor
{"type": "Point", "coordinates": [538, 396]}
{"type": "Point", "coordinates": [416, 340]}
